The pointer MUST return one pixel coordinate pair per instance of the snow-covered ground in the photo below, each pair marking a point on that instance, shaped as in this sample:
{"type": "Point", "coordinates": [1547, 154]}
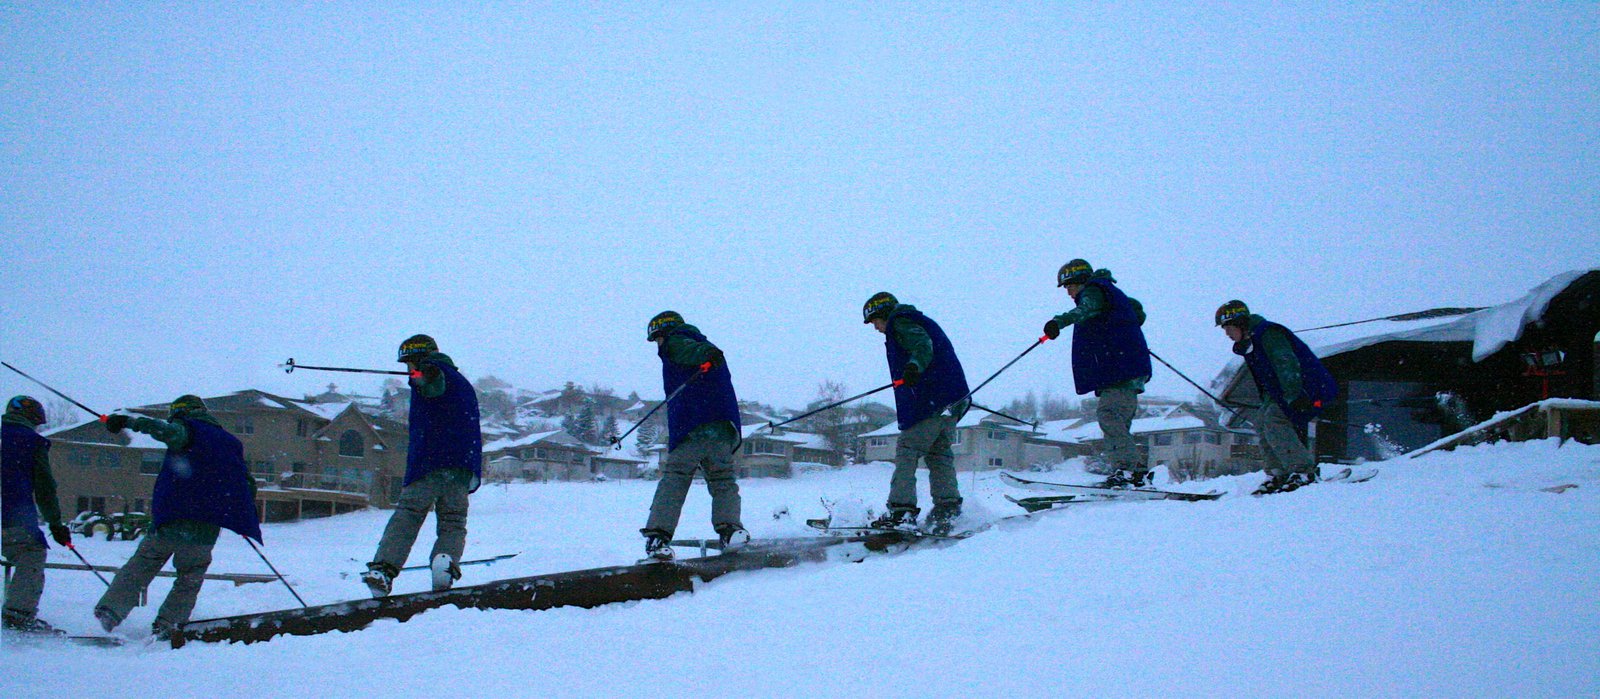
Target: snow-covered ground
{"type": "Point", "coordinates": [1453, 574]}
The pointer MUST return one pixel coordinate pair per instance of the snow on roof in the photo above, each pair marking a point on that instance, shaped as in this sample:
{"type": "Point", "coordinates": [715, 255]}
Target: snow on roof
{"type": "Point", "coordinates": [69, 426]}
{"type": "Point", "coordinates": [1089, 430]}
{"type": "Point", "coordinates": [1488, 330]}
{"type": "Point", "coordinates": [502, 444]}
{"type": "Point", "coordinates": [973, 418]}
{"type": "Point", "coordinates": [326, 411]}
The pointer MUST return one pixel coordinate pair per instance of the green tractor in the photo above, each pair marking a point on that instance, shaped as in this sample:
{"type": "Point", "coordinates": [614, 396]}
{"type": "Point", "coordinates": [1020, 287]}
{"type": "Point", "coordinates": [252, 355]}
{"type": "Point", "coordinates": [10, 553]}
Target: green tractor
{"type": "Point", "coordinates": [126, 526]}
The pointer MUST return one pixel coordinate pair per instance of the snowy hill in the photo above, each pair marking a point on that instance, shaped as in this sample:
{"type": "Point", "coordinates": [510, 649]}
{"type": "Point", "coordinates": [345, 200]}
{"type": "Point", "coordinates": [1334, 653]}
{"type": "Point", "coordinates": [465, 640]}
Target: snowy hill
{"type": "Point", "coordinates": [1452, 574]}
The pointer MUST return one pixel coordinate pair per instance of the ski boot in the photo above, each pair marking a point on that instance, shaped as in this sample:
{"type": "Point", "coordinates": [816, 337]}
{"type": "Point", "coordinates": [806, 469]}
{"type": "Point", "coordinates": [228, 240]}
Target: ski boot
{"type": "Point", "coordinates": [733, 537]}
{"type": "Point", "coordinates": [941, 519]}
{"type": "Point", "coordinates": [379, 578]}
{"type": "Point", "coordinates": [445, 571]}
{"type": "Point", "coordinates": [163, 630]}
{"type": "Point", "coordinates": [1273, 484]}
{"type": "Point", "coordinates": [898, 517]}
{"type": "Point", "coordinates": [107, 618]}
{"type": "Point", "coordinates": [1295, 481]}
{"type": "Point", "coordinates": [1123, 478]}
{"type": "Point", "coordinates": [658, 546]}
{"type": "Point", "coordinates": [29, 623]}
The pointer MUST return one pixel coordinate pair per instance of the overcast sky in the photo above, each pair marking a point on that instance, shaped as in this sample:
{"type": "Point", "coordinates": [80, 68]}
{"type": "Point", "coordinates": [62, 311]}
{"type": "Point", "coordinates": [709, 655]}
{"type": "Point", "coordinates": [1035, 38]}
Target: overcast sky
{"type": "Point", "coordinates": [193, 192]}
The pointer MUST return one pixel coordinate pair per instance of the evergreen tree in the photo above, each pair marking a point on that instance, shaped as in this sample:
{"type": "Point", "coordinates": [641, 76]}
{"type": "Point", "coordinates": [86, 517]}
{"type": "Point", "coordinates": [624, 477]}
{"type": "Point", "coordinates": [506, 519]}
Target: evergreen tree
{"type": "Point", "coordinates": [588, 431]}
{"type": "Point", "coordinates": [610, 431]}
{"type": "Point", "coordinates": [647, 434]}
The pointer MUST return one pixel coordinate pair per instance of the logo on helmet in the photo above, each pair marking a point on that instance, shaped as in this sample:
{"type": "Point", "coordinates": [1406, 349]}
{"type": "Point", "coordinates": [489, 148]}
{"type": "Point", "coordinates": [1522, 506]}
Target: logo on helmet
{"type": "Point", "coordinates": [1075, 272]}
{"type": "Point", "coordinates": [879, 306]}
{"type": "Point", "coordinates": [660, 325]}
{"type": "Point", "coordinates": [1233, 312]}
{"type": "Point", "coordinates": [417, 347]}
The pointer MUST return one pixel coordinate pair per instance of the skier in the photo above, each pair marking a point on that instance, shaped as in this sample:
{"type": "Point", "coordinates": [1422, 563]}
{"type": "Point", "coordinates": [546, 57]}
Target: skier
{"type": "Point", "coordinates": [1110, 359]}
{"type": "Point", "coordinates": [444, 465]}
{"type": "Point", "coordinates": [702, 433]}
{"type": "Point", "coordinates": [1293, 385]}
{"type": "Point", "coordinates": [27, 497]}
{"type": "Point", "coordinates": [203, 487]}
{"type": "Point", "coordinates": [930, 398]}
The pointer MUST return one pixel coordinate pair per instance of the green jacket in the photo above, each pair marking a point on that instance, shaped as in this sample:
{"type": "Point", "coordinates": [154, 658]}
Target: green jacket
{"type": "Point", "coordinates": [1280, 353]}
{"type": "Point", "coordinates": [44, 483]}
{"type": "Point", "coordinates": [913, 339]}
{"type": "Point", "coordinates": [433, 382]}
{"type": "Point", "coordinates": [1091, 302]}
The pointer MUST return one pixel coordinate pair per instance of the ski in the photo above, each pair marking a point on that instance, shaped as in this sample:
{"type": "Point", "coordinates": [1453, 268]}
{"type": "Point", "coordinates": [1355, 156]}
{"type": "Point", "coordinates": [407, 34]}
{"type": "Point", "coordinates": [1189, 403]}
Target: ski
{"type": "Point", "coordinates": [485, 562]}
{"type": "Point", "coordinates": [63, 637]}
{"type": "Point", "coordinates": [823, 525]}
{"type": "Point", "coordinates": [1107, 493]}
{"type": "Point", "coordinates": [1049, 502]}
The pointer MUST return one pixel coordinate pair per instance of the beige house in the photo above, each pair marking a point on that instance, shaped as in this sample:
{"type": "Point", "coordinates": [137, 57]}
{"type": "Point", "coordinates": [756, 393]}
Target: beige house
{"type": "Point", "coordinates": [1189, 443]}
{"type": "Point", "coordinates": [310, 459]}
{"type": "Point", "coordinates": [780, 453]}
{"type": "Point", "coordinates": [552, 455]}
{"type": "Point", "coordinates": [982, 441]}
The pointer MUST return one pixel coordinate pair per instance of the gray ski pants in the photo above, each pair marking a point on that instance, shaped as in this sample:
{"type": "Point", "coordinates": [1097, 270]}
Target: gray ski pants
{"type": "Point", "coordinates": [1115, 410]}
{"type": "Point", "coordinates": [708, 450]}
{"type": "Point", "coordinates": [189, 559]}
{"type": "Point", "coordinates": [928, 440]}
{"type": "Point", "coordinates": [1280, 442]}
{"type": "Point", "coordinates": [24, 547]}
{"type": "Point", "coordinates": [446, 492]}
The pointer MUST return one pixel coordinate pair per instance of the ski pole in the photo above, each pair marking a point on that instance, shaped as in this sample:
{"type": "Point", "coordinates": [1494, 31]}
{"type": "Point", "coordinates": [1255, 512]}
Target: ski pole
{"type": "Point", "coordinates": [52, 390]}
{"type": "Point", "coordinates": [86, 563]}
{"type": "Point", "coordinates": [1180, 374]}
{"type": "Point", "coordinates": [275, 571]}
{"type": "Point", "coordinates": [290, 366]}
{"type": "Point", "coordinates": [997, 413]}
{"type": "Point", "coordinates": [1042, 339]}
{"type": "Point", "coordinates": [835, 404]}
{"type": "Point", "coordinates": [704, 369]}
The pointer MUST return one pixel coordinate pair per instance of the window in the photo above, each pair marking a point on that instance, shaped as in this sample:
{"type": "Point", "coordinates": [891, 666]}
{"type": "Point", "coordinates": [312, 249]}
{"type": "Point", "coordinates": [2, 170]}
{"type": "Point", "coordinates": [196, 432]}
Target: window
{"type": "Point", "coordinates": [1163, 440]}
{"type": "Point", "coordinates": [301, 428]}
{"type": "Point", "coordinates": [577, 457]}
{"type": "Point", "coordinates": [138, 505]}
{"type": "Point", "coordinates": [763, 446]}
{"type": "Point", "coordinates": [246, 425]}
{"type": "Point", "coordinates": [1213, 438]}
{"type": "Point", "coordinates": [957, 437]}
{"type": "Point", "coordinates": [877, 441]}
{"type": "Point", "coordinates": [1244, 439]}
{"type": "Point", "coordinates": [91, 504]}
{"type": "Point", "coordinates": [996, 462]}
{"type": "Point", "coordinates": [79, 457]}
{"type": "Point", "coordinates": [150, 462]}
{"type": "Point", "coordinates": [1191, 438]}
{"type": "Point", "coordinates": [540, 453]}
{"type": "Point", "coordinates": [106, 458]}
{"type": "Point", "coordinates": [997, 435]}
{"type": "Point", "coordinates": [351, 444]}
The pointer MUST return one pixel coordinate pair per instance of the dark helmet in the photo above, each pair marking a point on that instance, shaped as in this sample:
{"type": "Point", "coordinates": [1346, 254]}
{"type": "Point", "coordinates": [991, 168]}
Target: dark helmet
{"type": "Point", "coordinates": [879, 306]}
{"type": "Point", "coordinates": [185, 404]}
{"type": "Point", "coordinates": [26, 408]}
{"type": "Point", "coordinates": [660, 325]}
{"type": "Point", "coordinates": [1233, 312]}
{"type": "Point", "coordinates": [1075, 272]}
{"type": "Point", "coordinates": [416, 347]}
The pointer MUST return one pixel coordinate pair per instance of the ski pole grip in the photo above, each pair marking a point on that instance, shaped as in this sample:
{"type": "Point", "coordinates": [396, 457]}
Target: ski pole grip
{"type": "Point", "coordinates": [898, 383]}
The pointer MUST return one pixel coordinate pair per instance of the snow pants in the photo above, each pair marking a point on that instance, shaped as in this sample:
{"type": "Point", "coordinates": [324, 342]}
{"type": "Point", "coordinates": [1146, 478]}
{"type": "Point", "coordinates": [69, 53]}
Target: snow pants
{"type": "Point", "coordinates": [189, 558]}
{"type": "Point", "coordinates": [928, 441]}
{"type": "Point", "coordinates": [712, 452]}
{"type": "Point", "coordinates": [446, 492]}
{"type": "Point", "coordinates": [24, 547]}
{"type": "Point", "coordinates": [1115, 410]}
{"type": "Point", "coordinates": [1285, 452]}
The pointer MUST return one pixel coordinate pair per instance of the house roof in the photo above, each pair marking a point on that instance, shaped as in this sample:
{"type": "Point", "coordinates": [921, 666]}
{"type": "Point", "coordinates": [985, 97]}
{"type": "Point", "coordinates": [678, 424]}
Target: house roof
{"type": "Point", "coordinates": [1488, 329]}
{"type": "Point", "coordinates": [556, 437]}
{"type": "Point", "coordinates": [1088, 430]}
{"type": "Point", "coordinates": [973, 418]}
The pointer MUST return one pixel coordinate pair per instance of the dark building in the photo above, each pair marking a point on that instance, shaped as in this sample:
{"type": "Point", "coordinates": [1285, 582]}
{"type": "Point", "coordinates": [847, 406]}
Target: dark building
{"type": "Point", "coordinates": [1408, 380]}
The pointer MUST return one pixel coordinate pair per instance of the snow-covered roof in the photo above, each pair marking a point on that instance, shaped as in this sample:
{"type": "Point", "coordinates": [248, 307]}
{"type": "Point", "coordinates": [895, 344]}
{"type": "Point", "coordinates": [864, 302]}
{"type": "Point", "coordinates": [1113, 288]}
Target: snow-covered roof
{"type": "Point", "coordinates": [1488, 330]}
{"type": "Point", "coordinates": [502, 444]}
{"type": "Point", "coordinates": [1080, 430]}
{"type": "Point", "coordinates": [973, 418]}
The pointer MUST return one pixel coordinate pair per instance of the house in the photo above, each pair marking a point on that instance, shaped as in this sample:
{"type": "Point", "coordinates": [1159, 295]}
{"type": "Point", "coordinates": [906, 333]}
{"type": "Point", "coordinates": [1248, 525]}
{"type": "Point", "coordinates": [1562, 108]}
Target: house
{"type": "Point", "coordinates": [542, 456]}
{"type": "Point", "coordinates": [981, 441]}
{"type": "Point", "coordinates": [1407, 380]}
{"type": "Point", "coordinates": [779, 453]}
{"type": "Point", "coordinates": [309, 459]}
{"type": "Point", "coordinates": [1190, 442]}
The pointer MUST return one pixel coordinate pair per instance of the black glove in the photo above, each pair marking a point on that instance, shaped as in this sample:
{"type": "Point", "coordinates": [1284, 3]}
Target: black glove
{"type": "Point", "coordinates": [1052, 329]}
{"type": "Point", "coordinates": [1242, 347]}
{"type": "Point", "coordinates": [1304, 404]}
{"type": "Point", "coordinates": [114, 424]}
{"type": "Point", "coordinates": [911, 374]}
{"type": "Point", "coordinates": [61, 534]}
